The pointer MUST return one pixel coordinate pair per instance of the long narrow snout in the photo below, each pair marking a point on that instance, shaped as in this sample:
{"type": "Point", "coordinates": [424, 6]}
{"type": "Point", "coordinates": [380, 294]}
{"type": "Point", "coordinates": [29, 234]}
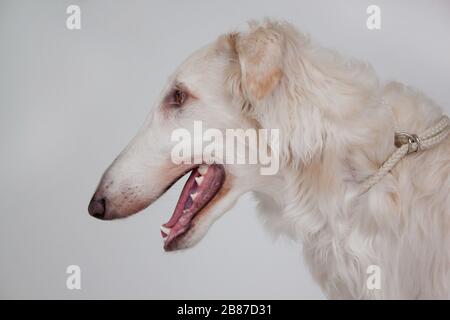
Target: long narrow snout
{"type": "Point", "coordinates": [136, 178]}
{"type": "Point", "coordinates": [131, 183]}
{"type": "Point", "coordinates": [128, 186]}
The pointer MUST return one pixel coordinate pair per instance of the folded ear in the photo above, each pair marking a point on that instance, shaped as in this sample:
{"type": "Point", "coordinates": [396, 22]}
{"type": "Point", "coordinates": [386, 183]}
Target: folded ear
{"type": "Point", "coordinates": [260, 58]}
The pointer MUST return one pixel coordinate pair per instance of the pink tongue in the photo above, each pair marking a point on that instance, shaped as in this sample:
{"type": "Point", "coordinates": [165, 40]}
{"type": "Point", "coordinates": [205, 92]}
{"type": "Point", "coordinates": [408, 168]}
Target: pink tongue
{"type": "Point", "coordinates": [184, 199]}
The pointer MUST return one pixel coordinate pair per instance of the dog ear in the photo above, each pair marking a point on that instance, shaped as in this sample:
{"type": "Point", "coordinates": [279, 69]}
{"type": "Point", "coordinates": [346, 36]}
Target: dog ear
{"type": "Point", "coordinates": [260, 56]}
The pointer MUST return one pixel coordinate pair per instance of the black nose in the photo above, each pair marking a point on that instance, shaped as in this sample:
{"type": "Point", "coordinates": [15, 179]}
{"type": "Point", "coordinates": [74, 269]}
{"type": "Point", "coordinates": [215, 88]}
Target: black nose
{"type": "Point", "coordinates": [97, 208]}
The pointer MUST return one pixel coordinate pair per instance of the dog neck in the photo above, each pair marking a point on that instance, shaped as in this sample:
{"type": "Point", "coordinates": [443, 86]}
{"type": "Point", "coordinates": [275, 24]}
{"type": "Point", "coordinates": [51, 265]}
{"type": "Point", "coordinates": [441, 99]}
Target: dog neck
{"type": "Point", "coordinates": [337, 127]}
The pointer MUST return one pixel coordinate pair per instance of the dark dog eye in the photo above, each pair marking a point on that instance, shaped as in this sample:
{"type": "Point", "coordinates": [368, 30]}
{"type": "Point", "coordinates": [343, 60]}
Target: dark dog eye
{"type": "Point", "coordinates": [179, 97]}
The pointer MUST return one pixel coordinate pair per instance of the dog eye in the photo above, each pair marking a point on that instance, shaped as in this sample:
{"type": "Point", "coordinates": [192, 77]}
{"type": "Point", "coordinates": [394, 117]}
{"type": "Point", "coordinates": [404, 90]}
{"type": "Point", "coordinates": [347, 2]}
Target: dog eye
{"type": "Point", "coordinates": [179, 97]}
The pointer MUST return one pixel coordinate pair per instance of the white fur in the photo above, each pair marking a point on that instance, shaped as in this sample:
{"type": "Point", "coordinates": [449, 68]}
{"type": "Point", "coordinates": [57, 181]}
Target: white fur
{"type": "Point", "coordinates": [337, 126]}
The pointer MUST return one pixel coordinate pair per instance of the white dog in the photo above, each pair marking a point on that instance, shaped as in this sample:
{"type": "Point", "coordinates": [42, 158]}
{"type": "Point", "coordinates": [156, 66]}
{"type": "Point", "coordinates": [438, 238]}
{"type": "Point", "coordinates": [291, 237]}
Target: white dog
{"type": "Point", "coordinates": [337, 125]}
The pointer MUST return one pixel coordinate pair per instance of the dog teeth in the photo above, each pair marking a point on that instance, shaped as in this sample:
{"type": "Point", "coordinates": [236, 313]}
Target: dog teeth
{"type": "Point", "coordinates": [165, 230]}
{"type": "Point", "coordinates": [199, 180]}
{"type": "Point", "coordinates": [193, 196]}
{"type": "Point", "coordinates": [203, 169]}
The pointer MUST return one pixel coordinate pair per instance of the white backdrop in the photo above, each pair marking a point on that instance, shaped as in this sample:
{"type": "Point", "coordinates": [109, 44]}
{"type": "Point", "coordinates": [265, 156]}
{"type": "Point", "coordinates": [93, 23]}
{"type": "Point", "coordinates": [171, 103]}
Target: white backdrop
{"type": "Point", "coordinates": [71, 100]}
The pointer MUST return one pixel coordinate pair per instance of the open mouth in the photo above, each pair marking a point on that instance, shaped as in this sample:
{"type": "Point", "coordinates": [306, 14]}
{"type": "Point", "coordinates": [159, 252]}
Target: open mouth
{"type": "Point", "coordinates": [201, 187]}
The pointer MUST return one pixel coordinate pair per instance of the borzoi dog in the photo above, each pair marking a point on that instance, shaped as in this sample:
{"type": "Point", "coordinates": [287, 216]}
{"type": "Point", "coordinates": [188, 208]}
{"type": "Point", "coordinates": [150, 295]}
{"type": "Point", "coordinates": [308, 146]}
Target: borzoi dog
{"type": "Point", "coordinates": [338, 127]}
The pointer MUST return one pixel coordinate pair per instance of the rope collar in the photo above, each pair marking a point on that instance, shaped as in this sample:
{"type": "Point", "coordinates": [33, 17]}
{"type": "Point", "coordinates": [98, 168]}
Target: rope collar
{"type": "Point", "coordinates": [408, 143]}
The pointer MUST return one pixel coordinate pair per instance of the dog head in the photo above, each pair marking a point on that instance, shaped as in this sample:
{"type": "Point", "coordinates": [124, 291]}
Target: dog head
{"type": "Point", "coordinates": [236, 82]}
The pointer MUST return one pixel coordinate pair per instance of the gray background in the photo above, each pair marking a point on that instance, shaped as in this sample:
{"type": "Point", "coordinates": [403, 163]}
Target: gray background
{"type": "Point", "coordinates": [70, 100]}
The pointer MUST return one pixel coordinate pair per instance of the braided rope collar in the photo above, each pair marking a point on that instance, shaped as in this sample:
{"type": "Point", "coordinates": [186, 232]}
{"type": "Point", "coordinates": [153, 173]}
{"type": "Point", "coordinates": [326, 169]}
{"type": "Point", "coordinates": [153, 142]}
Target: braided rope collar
{"type": "Point", "coordinates": [407, 143]}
